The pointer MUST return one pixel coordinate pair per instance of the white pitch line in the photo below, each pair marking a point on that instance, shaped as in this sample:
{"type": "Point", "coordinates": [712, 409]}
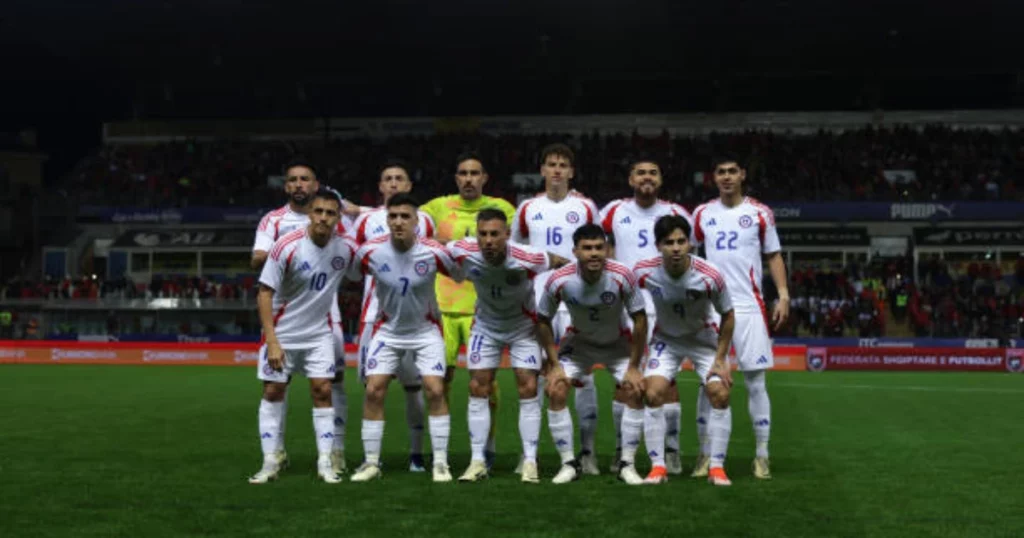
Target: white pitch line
{"type": "Point", "coordinates": [899, 387]}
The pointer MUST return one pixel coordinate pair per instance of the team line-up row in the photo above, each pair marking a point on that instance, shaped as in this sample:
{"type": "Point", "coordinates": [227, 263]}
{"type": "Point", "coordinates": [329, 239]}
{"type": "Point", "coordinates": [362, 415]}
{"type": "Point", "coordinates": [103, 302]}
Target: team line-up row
{"type": "Point", "coordinates": [561, 285]}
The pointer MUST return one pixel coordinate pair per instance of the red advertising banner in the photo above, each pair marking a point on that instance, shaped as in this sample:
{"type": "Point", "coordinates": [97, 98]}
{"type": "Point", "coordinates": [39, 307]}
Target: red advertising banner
{"type": "Point", "coordinates": [921, 359]}
{"type": "Point", "coordinates": [162, 353]}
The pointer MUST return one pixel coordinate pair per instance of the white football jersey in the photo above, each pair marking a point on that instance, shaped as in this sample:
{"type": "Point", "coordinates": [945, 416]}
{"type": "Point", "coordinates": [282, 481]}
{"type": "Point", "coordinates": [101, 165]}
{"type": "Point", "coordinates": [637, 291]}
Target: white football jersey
{"type": "Point", "coordinates": [506, 306]}
{"type": "Point", "coordinates": [689, 304]}
{"type": "Point", "coordinates": [632, 227]}
{"type": "Point", "coordinates": [548, 225]}
{"type": "Point", "coordinates": [282, 221]}
{"type": "Point", "coordinates": [369, 226]}
{"type": "Point", "coordinates": [598, 311]}
{"type": "Point", "coordinates": [734, 239]}
{"type": "Point", "coordinates": [305, 279]}
{"type": "Point", "coordinates": [405, 283]}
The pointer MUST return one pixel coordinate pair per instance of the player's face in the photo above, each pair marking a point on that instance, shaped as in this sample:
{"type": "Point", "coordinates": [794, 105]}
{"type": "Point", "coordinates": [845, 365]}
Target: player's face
{"type": "Point", "coordinates": [645, 178]}
{"type": "Point", "coordinates": [324, 215]}
{"type": "Point", "coordinates": [492, 236]}
{"type": "Point", "coordinates": [402, 221]}
{"type": "Point", "coordinates": [393, 181]}
{"type": "Point", "coordinates": [300, 184]}
{"type": "Point", "coordinates": [470, 178]}
{"type": "Point", "coordinates": [556, 170]}
{"type": "Point", "coordinates": [674, 249]}
{"type": "Point", "coordinates": [729, 178]}
{"type": "Point", "coordinates": [591, 253]}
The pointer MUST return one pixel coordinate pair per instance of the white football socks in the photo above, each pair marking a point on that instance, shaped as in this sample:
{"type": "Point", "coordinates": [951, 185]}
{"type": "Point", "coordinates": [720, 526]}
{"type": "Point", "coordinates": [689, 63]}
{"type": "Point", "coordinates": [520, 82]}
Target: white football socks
{"type": "Point", "coordinates": [339, 401]}
{"type": "Point", "coordinates": [632, 429]}
{"type": "Point", "coordinates": [719, 429]}
{"type": "Point", "coordinates": [560, 424]}
{"type": "Point", "coordinates": [673, 413]}
{"type": "Point", "coordinates": [529, 427]}
{"type": "Point", "coordinates": [440, 429]}
{"type": "Point", "coordinates": [270, 427]}
{"type": "Point", "coordinates": [617, 410]}
{"type": "Point", "coordinates": [654, 434]}
{"type": "Point", "coordinates": [373, 431]}
{"type": "Point", "coordinates": [323, 427]}
{"type": "Point", "coordinates": [586, 412]}
{"type": "Point", "coordinates": [479, 425]}
{"type": "Point", "coordinates": [760, 408]}
{"type": "Point", "coordinates": [414, 416]}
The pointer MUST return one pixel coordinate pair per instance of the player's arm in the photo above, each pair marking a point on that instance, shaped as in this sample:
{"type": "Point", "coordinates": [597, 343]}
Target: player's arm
{"type": "Point", "coordinates": [546, 308]}
{"type": "Point", "coordinates": [777, 268]}
{"type": "Point", "coordinates": [352, 210]}
{"type": "Point", "coordinates": [721, 365]}
{"type": "Point", "coordinates": [555, 261]}
{"type": "Point", "coordinates": [639, 344]}
{"type": "Point", "coordinates": [265, 304]}
{"type": "Point", "coordinates": [520, 230]}
{"type": "Point", "coordinates": [259, 257]}
{"type": "Point", "coordinates": [772, 248]}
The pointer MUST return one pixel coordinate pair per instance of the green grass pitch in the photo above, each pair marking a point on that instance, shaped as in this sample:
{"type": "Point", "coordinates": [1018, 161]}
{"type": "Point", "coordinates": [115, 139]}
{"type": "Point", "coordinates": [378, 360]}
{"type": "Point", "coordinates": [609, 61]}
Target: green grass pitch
{"type": "Point", "coordinates": [165, 451]}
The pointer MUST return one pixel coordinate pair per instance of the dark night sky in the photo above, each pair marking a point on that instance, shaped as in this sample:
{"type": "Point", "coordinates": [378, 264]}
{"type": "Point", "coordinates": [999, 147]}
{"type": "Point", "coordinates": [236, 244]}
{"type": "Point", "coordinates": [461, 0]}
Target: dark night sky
{"type": "Point", "coordinates": [70, 65]}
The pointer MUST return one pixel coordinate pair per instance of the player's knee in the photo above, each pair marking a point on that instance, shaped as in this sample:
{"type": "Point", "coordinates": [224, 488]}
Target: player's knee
{"type": "Point", "coordinates": [274, 392]}
{"type": "Point", "coordinates": [718, 394]}
{"type": "Point", "coordinates": [655, 396]}
{"type": "Point", "coordinates": [375, 392]}
{"type": "Point", "coordinates": [321, 392]}
{"type": "Point", "coordinates": [433, 391]}
{"type": "Point", "coordinates": [632, 396]}
{"type": "Point", "coordinates": [479, 388]}
{"type": "Point", "coordinates": [527, 387]}
{"type": "Point", "coordinates": [558, 393]}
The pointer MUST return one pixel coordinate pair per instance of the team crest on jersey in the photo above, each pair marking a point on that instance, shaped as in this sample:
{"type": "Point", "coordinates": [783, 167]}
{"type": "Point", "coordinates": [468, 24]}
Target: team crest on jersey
{"type": "Point", "coordinates": [572, 217]}
{"type": "Point", "coordinates": [608, 297]}
{"type": "Point", "coordinates": [513, 279]}
{"type": "Point", "coordinates": [746, 221]}
{"type": "Point", "coordinates": [338, 263]}
{"type": "Point", "coordinates": [421, 268]}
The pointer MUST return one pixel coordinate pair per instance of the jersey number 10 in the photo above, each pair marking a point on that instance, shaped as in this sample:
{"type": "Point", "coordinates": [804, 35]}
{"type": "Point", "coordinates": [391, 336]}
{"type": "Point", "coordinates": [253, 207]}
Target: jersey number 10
{"type": "Point", "coordinates": [318, 281]}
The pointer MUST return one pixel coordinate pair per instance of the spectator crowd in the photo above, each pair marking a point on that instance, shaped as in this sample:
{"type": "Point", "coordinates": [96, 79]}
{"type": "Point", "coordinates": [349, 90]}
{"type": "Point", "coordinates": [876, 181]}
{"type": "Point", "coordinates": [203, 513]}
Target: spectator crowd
{"type": "Point", "coordinates": [901, 163]}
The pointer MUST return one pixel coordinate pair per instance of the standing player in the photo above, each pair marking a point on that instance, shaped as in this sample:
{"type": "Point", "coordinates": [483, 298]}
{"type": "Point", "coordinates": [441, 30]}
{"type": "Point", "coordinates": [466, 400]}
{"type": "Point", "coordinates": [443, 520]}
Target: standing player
{"type": "Point", "coordinates": [298, 285]}
{"type": "Point", "coordinates": [407, 328]}
{"type": "Point", "coordinates": [547, 222]}
{"type": "Point", "coordinates": [502, 275]}
{"type": "Point", "coordinates": [455, 216]}
{"type": "Point", "coordinates": [629, 224]}
{"type": "Point", "coordinates": [689, 295]}
{"type": "Point", "coordinates": [394, 179]}
{"type": "Point", "coordinates": [598, 293]}
{"type": "Point", "coordinates": [301, 185]}
{"type": "Point", "coordinates": [736, 232]}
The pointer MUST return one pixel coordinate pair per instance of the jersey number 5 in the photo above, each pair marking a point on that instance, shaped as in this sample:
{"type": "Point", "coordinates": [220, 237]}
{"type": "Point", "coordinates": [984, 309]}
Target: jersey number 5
{"type": "Point", "coordinates": [726, 240]}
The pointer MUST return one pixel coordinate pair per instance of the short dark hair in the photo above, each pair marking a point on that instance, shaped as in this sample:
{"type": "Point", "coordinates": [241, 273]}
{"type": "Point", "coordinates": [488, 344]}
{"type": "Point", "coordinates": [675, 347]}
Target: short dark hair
{"type": "Point", "coordinates": [724, 158]}
{"type": "Point", "coordinates": [491, 213]}
{"type": "Point", "coordinates": [299, 161]}
{"type": "Point", "coordinates": [328, 193]}
{"type": "Point", "coordinates": [403, 198]}
{"type": "Point", "coordinates": [467, 155]}
{"type": "Point", "coordinates": [394, 163]}
{"type": "Point", "coordinates": [588, 231]}
{"type": "Point", "coordinates": [645, 158]}
{"type": "Point", "coordinates": [664, 227]}
{"type": "Point", "coordinates": [560, 150]}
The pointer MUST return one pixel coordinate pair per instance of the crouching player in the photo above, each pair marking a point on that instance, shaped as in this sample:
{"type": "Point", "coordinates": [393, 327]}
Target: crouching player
{"type": "Point", "coordinates": [598, 293]}
{"type": "Point", "coordinates": [687, 292]}
{"type": "Point", "coordinates": [298, 286]}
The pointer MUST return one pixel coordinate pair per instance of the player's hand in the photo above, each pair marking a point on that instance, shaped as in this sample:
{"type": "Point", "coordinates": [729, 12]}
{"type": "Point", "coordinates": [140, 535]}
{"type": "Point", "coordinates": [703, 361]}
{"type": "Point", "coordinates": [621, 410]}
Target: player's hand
{"type": "Point", "coordinates": [633, 380]}
{"type": "Point", "coordinates": [275, 356]}
{"type": "Point", "coordinates": [780, 314]}
{"type": "Point", "coordinates": [722, 370]}
{"type": "Point", "coordinates": [555, 374]}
